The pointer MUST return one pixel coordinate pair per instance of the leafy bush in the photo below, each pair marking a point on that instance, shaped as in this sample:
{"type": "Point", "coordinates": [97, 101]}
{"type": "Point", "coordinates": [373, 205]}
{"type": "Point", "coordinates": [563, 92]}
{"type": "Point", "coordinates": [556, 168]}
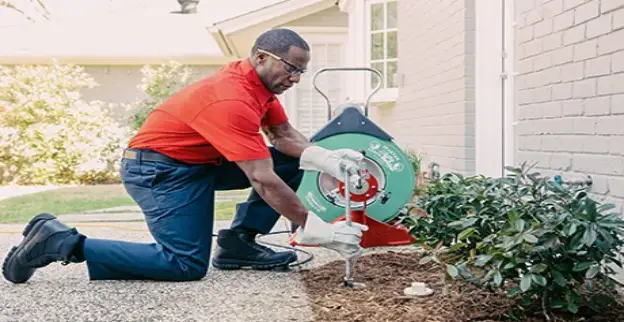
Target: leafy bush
{"type": "Point", "coordinates": [415, 160]}
{"type": "Point", "coordinates": [159, 83]}
{"type": "Point", "coordinates": [48, 134]}
{"type": "Point", "coordinates": [523, 234]}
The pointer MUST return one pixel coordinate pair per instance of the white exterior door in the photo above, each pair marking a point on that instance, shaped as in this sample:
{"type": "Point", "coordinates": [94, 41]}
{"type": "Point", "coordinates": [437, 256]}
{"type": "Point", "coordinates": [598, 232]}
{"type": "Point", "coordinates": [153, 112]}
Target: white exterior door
{"type": "Point", "coordinates": [306, 108]}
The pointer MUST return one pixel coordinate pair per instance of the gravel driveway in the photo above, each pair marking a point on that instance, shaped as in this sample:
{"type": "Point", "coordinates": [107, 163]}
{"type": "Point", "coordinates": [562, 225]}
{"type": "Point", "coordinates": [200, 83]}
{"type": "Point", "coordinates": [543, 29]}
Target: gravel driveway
{"type": "Point", "coordinates": [63, 293]}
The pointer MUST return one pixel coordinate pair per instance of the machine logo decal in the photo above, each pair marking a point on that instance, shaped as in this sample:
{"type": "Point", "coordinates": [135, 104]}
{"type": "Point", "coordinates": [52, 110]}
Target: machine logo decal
{"type": "Point", "coordinates": [385, 154]}
{"type": "Point", "coordinates": [398, 167]}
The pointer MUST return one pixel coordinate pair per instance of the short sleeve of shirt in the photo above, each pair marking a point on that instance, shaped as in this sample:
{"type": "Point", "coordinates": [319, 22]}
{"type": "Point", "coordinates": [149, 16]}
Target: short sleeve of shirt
{"type": "Point", "coordinates": [275, 114]}
{"type": "Point", "coordinates": [232, 127]}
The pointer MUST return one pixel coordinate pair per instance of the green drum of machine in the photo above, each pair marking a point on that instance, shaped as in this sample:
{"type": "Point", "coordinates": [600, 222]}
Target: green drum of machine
{"type": "Point", "coordinates": [390, 178]}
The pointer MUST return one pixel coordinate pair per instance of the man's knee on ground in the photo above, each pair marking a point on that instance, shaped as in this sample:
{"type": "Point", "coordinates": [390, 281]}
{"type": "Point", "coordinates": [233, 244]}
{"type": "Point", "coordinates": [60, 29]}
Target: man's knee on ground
{"type": "Point", "coordinates": [189, 270]}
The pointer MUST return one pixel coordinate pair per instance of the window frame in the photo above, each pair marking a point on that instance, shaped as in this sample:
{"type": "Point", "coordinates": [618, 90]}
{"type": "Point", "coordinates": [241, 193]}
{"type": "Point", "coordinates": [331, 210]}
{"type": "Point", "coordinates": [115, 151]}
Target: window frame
{"type": "Point", "coordinates": [384, 93]}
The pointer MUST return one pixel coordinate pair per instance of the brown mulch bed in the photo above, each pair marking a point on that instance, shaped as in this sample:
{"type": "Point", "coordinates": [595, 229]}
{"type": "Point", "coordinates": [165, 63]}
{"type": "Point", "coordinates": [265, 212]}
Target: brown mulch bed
{"type": "Point", "coordinates": [386, 275]}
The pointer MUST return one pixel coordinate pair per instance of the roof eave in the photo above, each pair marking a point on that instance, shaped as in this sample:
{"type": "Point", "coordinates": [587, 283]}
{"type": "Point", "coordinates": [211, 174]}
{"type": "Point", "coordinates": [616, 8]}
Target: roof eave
{"type": "Point", "coordinates": [288, 10]}
{"type": "Point", "coordinates": [224, 42]}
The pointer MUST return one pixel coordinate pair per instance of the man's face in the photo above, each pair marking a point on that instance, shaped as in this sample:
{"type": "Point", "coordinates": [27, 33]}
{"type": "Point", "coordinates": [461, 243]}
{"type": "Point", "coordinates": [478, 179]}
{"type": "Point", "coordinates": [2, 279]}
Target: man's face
{"type": "Point", "coordinates": [280, 73]}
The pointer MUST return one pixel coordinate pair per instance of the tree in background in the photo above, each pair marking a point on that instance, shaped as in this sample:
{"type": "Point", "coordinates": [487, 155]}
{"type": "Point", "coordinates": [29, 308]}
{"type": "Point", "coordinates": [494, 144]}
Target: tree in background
{"type": "Point", "coordinates": [49, 134]}
{"type": "Point", "coordinates": [34, 5]}
{"type": "Point", "coordinates": [159, 83]}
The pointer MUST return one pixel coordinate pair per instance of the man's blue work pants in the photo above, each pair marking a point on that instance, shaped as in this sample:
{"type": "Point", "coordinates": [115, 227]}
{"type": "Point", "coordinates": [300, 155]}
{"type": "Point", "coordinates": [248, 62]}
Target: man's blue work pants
{"type": "Point", "coordinates": [178, 203]}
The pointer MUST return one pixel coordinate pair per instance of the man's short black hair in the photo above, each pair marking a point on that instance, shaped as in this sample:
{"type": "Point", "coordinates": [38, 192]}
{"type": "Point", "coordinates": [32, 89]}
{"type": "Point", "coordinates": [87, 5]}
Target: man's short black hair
{"type": "Point", "coordinates": [279, 41]}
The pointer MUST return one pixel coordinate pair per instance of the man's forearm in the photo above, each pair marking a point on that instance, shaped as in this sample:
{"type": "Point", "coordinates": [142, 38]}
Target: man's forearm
{"type": "Point", "coordinates": [287, 139]}
{"type": "Point", "coordinates": [291, 145]}
{"type": "Point", "coordinates": [281, 197]}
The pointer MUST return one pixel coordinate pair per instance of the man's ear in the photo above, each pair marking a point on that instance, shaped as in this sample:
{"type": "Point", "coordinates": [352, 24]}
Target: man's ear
{"type": "Point", "coordinates": [260, 58]}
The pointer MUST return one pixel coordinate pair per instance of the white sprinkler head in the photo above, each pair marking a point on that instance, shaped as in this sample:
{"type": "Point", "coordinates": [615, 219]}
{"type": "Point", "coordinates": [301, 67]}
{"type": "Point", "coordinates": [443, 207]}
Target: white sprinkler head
{"type": "Point", "coordinates": [418, 289]}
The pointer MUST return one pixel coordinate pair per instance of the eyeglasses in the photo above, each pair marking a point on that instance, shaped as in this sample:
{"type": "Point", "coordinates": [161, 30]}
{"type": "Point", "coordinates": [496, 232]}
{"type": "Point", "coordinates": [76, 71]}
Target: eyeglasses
{"type": "Point", "coordinates": [290, 68]}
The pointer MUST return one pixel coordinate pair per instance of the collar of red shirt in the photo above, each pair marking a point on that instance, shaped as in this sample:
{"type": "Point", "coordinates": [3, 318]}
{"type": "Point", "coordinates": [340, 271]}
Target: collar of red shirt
{"type": "Point", "coordinates": [264, 95]}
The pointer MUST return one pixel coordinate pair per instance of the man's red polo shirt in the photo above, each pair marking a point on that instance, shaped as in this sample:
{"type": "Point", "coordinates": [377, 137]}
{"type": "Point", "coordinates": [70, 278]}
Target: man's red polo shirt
{"type": "Point", "coordinates": [218, 116]}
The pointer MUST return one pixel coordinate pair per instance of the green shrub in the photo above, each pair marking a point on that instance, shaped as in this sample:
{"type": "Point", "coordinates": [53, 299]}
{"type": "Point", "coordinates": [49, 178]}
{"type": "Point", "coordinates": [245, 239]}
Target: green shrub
{"type": "Point", "coordinates": [524, 234]}
{"type": "Point", "coordinates": [159, 83]}
{"type": "Point", "coordinates": [49, 134]}
{"type": "Point", "coordinates": [415, 160]}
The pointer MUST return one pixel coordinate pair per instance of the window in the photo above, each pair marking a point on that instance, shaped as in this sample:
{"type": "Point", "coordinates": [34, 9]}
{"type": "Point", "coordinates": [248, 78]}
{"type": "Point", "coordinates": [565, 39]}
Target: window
{"type": "Point", "coordinates": [382, 39]}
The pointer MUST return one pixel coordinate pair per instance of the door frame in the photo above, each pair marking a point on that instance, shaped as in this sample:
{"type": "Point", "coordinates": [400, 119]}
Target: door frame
{"type": "Point", "coordinates": [317, 36]}
{"type": "Point", "coordinates": [509, 89]}
{"type": "Point", "coordinates": [494, 87]}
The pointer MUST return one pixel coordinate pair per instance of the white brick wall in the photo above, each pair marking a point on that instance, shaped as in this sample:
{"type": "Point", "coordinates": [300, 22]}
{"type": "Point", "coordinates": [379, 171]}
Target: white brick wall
{"type": "Point", "coordinates": [570, 90]}
{"type": "Point", "coordinates": [434, 113]}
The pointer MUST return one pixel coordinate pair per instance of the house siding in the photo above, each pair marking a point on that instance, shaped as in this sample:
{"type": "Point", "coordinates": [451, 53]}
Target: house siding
{"type": "Point", "coordinates": [331, 17]}
{"type": "Point", "coordinates": [119, 85]}
{"type": "Point", "coordinates": [570, 91]}
{"type": "Point", "coordinates": [434, 112]}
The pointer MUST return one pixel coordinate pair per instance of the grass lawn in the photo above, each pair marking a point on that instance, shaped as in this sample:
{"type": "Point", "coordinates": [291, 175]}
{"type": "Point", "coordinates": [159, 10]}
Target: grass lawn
{"type": "Point", "coordinates": [80, 199]}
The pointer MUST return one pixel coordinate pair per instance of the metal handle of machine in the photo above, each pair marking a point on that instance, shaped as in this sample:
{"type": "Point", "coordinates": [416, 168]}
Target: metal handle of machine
{"type": "Point", "coordinates": [347, 193]}
{"type": "Point", "coordinates": [372, 70]}
{"type": "Point", "coordinates": [350, 262]}
{"type": "Point", "coordinates": [348, 278]}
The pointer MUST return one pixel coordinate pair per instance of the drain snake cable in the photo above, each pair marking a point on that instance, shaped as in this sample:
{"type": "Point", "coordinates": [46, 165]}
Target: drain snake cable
{"type": "Point", "coordinates": [260, 240]}
{"type": "Point", "coordinates": [309, 257]}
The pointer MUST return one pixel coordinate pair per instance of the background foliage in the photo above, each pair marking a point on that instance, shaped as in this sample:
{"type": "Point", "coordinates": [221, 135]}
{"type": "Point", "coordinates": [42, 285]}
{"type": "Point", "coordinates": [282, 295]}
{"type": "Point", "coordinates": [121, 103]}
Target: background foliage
{"type": "Point", "coordinates": [47, 132]}
{"type": "Point", "coordinates": [50, 135]}
{"type": "Point", "coordinates": [523, 234]}
{"type": "Point", "coordinates": [159, 83]}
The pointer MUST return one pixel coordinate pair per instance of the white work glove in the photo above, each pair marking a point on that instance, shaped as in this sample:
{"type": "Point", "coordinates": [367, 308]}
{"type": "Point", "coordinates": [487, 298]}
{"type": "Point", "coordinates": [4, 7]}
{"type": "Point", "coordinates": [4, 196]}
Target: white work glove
{"type": "Point", "coordinates": [327, 161]}
{"type": "Point", "coordinates": [337, 236]}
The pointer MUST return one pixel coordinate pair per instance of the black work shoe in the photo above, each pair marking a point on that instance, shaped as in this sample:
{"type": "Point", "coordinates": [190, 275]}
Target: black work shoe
{"type": "Point", "coordinates": [46, 240]}
{"type": "Point", "coordinates": [237, 249]}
